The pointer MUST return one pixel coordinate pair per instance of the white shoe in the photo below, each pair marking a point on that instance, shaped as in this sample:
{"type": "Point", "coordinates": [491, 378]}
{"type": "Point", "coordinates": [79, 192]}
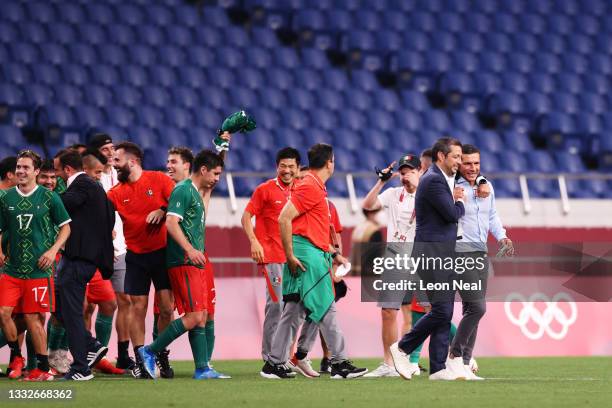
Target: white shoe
{"type": "Point", "coordinates": [445, 375]}
{"type": "Point", "coordinates": [473, 365]}
{"type": "Point", "coordinates": [383, 370]}
{"type": "Point", "coordinates": [470, 376]}
{"type": "Point", "coordinates": [416, 370]}
{"type": "Point", "coordinates": [455, 366]}
{"type": "Point", "coordinates": [303, 367]}
{"type": "Point", "coordinates": [401, 361]}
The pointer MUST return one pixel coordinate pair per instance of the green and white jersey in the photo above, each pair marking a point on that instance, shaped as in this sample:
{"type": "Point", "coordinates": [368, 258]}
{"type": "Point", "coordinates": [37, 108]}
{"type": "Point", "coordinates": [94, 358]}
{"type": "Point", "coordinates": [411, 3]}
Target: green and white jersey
{"type": "Point", "coordinates": [185, 203]}
{"type": "Point", "coordinates": [30, 221]}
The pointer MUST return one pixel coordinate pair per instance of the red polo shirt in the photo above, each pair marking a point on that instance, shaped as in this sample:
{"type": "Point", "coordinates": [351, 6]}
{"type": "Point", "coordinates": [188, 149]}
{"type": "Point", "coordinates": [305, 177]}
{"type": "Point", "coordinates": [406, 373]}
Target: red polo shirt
{"type": "Point", "coordinates": [310, 199]}
{"type": "Point", "coordinates": [266, 204]}
{"type": "Point", "coordinates": [134, 201]}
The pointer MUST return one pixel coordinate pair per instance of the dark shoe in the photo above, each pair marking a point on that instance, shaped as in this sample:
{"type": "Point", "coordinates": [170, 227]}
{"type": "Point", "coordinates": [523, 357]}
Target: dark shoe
{"type": "Point", "coordinates": [148, 360]}
{"type": "Point", "coordinates": [125, 363]}
{"type": "Point", "coordinates": [346, 369]}
{"type": "Point", "coordinates": [139, 371]}
{"type": "Point", "coordinates": [163, 363]}
{"type": "Point", "coordinates": [325, 366]}
{"type": "Point", "coordinates": [276, 371]}
{"type": "Point", "coordinates": [94, 356]}
{"type": "Point", "coordinates": [73, 375]}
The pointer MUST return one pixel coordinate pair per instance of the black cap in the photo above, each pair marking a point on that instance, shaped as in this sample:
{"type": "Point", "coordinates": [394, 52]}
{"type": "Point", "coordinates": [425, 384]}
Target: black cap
{"type": "Point", "coordinates": [410, 160]}
{"type": "Point", "coordinates": [98, 140]}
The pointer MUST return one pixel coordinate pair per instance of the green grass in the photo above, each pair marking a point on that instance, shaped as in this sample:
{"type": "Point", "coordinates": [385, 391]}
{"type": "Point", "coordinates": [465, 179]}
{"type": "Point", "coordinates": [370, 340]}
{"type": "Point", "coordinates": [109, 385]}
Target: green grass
{"type": "Point", "coordinates": [512, 382]}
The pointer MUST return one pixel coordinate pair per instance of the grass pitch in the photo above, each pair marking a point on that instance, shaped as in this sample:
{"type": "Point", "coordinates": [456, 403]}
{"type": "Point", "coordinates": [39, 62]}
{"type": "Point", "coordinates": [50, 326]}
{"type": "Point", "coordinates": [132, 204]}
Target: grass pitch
{"type": "Point", "coordinates": [511, 382]}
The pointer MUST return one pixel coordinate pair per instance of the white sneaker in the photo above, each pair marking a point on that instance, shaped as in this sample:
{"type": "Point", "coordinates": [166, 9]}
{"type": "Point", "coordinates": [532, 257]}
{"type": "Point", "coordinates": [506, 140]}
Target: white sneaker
{"type": "Point", "coordinates": [473, 365]}
{"type": "Point", "coordinates": [303, 367]}
{"type": "Point", "coordinates": [470, 376]}
{"type": "Point", "coordinates": [444, 375]}
{"type": "Point", "coordinates": [400, 361]}
{"type": "Point", "coordinates": [383, 370]}
{"type": "Point", "coordinates": [455, 366]}
{"type": "Point", "coordinates": [416, 370]}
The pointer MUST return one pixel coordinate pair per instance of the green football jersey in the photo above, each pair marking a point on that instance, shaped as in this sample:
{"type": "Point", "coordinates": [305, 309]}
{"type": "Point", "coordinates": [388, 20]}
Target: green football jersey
{"type": "Point", "coordinates": [30, 222]}
{"type": "Point", "coordinates": [186, 203]}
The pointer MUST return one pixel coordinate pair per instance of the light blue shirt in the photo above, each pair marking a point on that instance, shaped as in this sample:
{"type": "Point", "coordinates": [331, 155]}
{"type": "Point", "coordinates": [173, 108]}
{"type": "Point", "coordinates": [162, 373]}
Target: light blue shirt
{"type": "Point", "coordinates": [480, 218]}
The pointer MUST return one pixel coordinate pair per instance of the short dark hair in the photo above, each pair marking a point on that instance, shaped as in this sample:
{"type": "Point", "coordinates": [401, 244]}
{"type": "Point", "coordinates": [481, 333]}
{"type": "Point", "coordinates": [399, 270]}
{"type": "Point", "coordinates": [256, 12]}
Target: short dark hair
{"type": "Point", "coordinates": [59, 153]}
{"type": "Point", "coordinates": [73, 159]}
{"type": "Point", "coordinates": [47, 166]}
{"type": "Point", "coordinates": [319, 155]}
{"type": "Point", "coordinates": [288, 153]}
{"type": "Point", "coordinates": [29, 154]}
{"type": "Point", "coordinates": [185, 153]}
{"type": "Point", "coordinates": [469, 149]}
{"type": "Point", "coordinates": [443, 145]}
{"type": "Point", "coordinates": [131, 148]}
{"type": "Point", "coordinates": [207, 158]}
{"type": "Point", "coordinates": [426, 153]}
{"type": "Point", "coordinates": [77, 146]}
{"type": "Point", "coordinates": [304, 168]}
{"type": "Point", "coordinates": [95, 153]}
{"type": "Point", "coordinates": [7, 165]}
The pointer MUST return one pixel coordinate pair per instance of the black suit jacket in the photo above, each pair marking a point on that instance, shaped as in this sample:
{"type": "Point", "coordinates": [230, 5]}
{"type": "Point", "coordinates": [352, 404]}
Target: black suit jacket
{"type": "Point", "coordinates": [91, 229]}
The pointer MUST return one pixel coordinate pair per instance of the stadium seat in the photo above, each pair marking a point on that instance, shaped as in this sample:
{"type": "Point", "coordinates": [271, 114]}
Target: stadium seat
{"type": "Point", "coordinates": [331, 100]}
{"type": "Point", "coordinates": [515, 161]}
{"type": "Point", "coordinates": [507, 188]}
{"type": "Point", "coordinates": [541, 82]}
{"type": "Point", "coordinates": [121, 117]}
{"type": "Point", "coordinates": [88, 116]}
{"type": "Point", "coordinates": [186, 97]}
{"type": "Point", "coordinates": [12, 95]}
{"type": "Point", "coordinates": [553, 43]}
{"type": "Point", "coordinates": [493, 61]}
{"type": "Point", "coordinates": [488, 140]}
{"type": "Point", "coordinates": [381, 119]}
{"type": "Point", "coordinates": [99, 96]}
{"type": "Point", "coordinates": [264, 37]}
{"type": "Point", "coordinates": [547, 62]}
{"type": "Point", "coordinates": [308, 79]}
{"type": "Point", "coordinates": [465, 121]}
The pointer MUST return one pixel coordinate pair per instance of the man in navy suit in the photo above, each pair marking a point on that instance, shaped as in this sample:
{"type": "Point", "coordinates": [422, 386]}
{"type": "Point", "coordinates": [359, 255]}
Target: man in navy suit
{"type": "Point", "coordinates": [438, 209]}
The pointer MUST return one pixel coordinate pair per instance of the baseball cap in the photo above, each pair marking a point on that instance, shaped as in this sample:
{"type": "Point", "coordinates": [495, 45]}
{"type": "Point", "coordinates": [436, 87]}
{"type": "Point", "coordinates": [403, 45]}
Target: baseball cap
{"type": "Point", "coordinates": [98, 140]}
{"type": "Point", "coordinates": [410, 160]}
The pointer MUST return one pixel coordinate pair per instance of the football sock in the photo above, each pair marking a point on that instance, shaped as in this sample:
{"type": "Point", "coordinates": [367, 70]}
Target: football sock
{"type": "Point", "coordinates": [122, 349]}
{"type": "Point", "coordinates": [300, 355]}
{"type": "Point", "coordinates": [15, 349]}
{"type": "Point", "coordinates": [209, 329]}
{"type": "Point", "coordinates": [104, 328]}
{"type": "Point", "coordinates": [155, 331]}
{"type": "Point", "coordinates": [453, 331]}
{"type": "Point", "coordinates": [42, 362]}
{"type": "Point", "coordinates": [173, 331]}
{"type": "Point", "coordinates": [32, 364]}
{"type": "Point", "coordinates": [199, 347]}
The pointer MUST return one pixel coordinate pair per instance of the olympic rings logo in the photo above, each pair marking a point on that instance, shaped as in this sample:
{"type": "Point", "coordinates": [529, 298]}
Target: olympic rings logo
{"type": "Point", "coordinates": [543, 320]}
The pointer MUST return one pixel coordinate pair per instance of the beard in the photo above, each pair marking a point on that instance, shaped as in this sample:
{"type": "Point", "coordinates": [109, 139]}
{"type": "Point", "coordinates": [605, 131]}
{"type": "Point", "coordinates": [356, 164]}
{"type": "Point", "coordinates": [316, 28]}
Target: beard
{"type": "Point", "coordinates": [123, 173]}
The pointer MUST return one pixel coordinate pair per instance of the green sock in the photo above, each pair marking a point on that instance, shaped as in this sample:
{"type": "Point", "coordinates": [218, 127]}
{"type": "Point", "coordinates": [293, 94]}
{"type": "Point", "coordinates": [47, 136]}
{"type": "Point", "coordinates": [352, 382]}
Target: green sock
{"type": "Point", "coordinates": [172, 332]}
{"type": "Point", "coordinates": [199, 347]}
{"type": "Point", "coordinates": [416, 353]}
{"type": "Point", "coordinates": [32, 361]}
{"type": "Point", "coordinates": [209, 329]}
{"type": "Point", "coordinates": [453, 331]}
{"type": "Point", "coordinates": [55, 335]}
{"type": "Point", "coordinates": [104, 327]}
{"type": "Point", "coordinates": [3, 341]}
{"type": "Point", "coordinates": [155, 331]}
{"type": "Point", "coordinates": [63, 342]}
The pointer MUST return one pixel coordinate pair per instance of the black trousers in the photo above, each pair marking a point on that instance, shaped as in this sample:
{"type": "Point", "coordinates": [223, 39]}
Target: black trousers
{"type": "Point", "coordinates": [72, 279]}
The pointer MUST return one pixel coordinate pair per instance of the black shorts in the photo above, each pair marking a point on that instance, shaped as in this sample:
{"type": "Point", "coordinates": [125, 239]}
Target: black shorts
{"type": "Point", "coordinates": [142, 269]}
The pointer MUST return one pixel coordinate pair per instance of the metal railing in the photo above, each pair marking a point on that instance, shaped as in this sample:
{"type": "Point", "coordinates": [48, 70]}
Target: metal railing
{"type": "Point", "coordinates": [561, 179]}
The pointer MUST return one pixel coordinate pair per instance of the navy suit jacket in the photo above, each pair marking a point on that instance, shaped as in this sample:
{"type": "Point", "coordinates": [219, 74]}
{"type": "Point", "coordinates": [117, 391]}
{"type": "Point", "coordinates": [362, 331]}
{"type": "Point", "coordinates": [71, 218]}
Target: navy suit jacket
{"type": "Point", "coordinates": [437, 213]}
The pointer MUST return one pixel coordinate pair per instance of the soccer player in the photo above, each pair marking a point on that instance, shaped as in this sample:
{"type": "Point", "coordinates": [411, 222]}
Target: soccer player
{"type": "Point", "coordinates": [480, 219]}
{"type": "Point", "coordinates": [185, 260]}
{"type": "Point", "coordinates": [399, 204]}
{"type": "Point", "coordinates": [265, 205]}
{"type": "Point", "coordinates": [99, 291]}
{"type": "Point", "coordinates": [307, 284]}
{"type": "Point", "coordinates": [103, 143]}
{"type": "Point", "coordinates": [141, 199]}
{"type": "Point", "coordinates": [47, 177]}
{"type": "Point", "coordinates": [7, 172]}
{"type": "Point", "coordinates": [29, 213]}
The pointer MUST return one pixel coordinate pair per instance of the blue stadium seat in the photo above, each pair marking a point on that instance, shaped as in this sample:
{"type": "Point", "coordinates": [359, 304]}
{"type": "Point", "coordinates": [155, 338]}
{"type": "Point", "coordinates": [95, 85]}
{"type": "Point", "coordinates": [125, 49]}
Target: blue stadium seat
{"type": "Point", "coordinates": [131, 14]}
{"type": "Point", "coordinates": [414, 100]}
{"type": "Point", "coordinates": [222, 77]}
{"type": "Point", "coordinates": [407, 60]}
{"type": "Point", "coordinates": [68, 95]}
{"type": "Point", "coordinates": [515, 161]}
{"type": "Point", "coordinates": [569, 163]}
{"type": "Point", "coordinates": [416, 40]}
{"type": "Point", "coordinates": [217, 98]}
{"type": "Point", "coordinates": [477, 21]}
{"type": "Point", "coordinates": [296, 119]}
{"type": "Point", "coordinates": [465, 121]}
{"type": "Point", "coordinates": [543, 188]}
{"type": "Point", "coordinates": [17, 74]}
{"type": "Point", "coordinates": [134, 75]}
{"type": "Point", "coordinates": [488, 84]}
{"type": "Point", "coordinates": [84, 53]}
{"type": "Point", "coordinates": [437, 61]}
{"type": "Point", "coordinates": [100, 13]}
{"type": "Point", "coordinates": [175, 56]}
{"type": "Point", "coordinates": [589, 123]}
{"type": "Point", "coordinates": [553, 43]}
{"type": "Point", "coordinates": [150, 116]}
{"type": "Point", "coordinates": [466, 62]}
{"type": "Point", "coordinates": [556, 122]}
{"type": "Point", "coordinates": [264, 37]}
{"type": "Point", "coordinates": [353, 119]}
{"type": "Point", "coordinates": [274, 98]}
{"type": "Point", "coordinates": [186, 97]}
{"type": "Point", "coordinates": [324, 119]}
{"type": "Point", "coordinates": [303, 99]}
{"type": "Point", "coordinates": [236, 36]}
{"type": "Point", "coordinates": [424, 21]}
{"type": "Point", "coordinates": [164, 76]}
{"type": "Point", "coordinates": [39, 95]}
{"type": "Point", "coordinates": [514, 82]}
{"type": "Point", "coordinates": [575, 63]}
{"type": "Point", "coordinates": [180, 35]}
{"type": "Point", "coordinates": [532, 23]}
{"type": "Point", "coordinates": [580, 43]}
{"type": "Point", "coordinates": [344, 160]}
{"type": "Point", "coordinates": [161, 15]}
{"type": "Point", "coordinates": [387, 99]}
{"type": "Point", "coordinates": [202, 56]}
{"type": "Point", "coordinates": [308, 79]}
{"type": "Point", "coordinates": [26, 53]}
{"type": "Point", "coordinates": [565, 102]}
{"type": "Point", "coordinates": [63, 33]}
{"type": "Point", "coordinates": [99, 96]}
{"type": "Point", "coordinates": [338, 80]}
{"type": "Point", "coordinates": [389, 41]}
{"type": "Point", "coordinates": [492, 61]}
{"type": "Point", "coordinates": [106, 75]}
{"type": "Point", "coordinates": [498, 42]}
{"type": "Point", "coordinates": [12, 137]}
{"type": "Point", "coordinates": [547, 62]}
{"type": "Point", "coordinates": [408, 121]}
{"type": "Point", "coordinates": [157, 96]}
{"type": "Point", "coordinates": [215, 17]}
{"type": "Point", "coordinates": [506, 102]}
{"type": "Point", "coordinates": [93, 34]}
{"type": "Point", "coordinates": [456, 82]}
{"type": "Point", "coordinates": [358, 99]}
{"type": "Point", "coordinates": [75, 74]}
{"type": "Point", "coordinates": [381, 119]}
{"type": "Point", "coordinates": [394, 20]}
{"type": "Point", "coordinates": [208, 36]}
{"type": "Point", "coordinates": [543, 83]}
{"type": "Point", "coordinates": [331, 100]}
{"type": "Point", "coordinates": [13, 12]}
{"type": "Point", "coordinates": [8, 32]}
{"type": "Point", "coordinates": [310, 19]}
{"type": "Point", "coordinates": [41, 12]}
{"type": "Point", "coordinates": [489, 162]}
{"type": "Point", "coordinates": [601, 63]}
{"type": "Point", "coordinates": [60, 115]}
{"type": "Point", "coordinates": [437, 120]}
{"type": "Point", "coordinates": [128, 96]}
{"type": "Point", "coordinates": [194, 76]}
{"type": "Point", "coordinates": [521, 62]}
{"type": "Point", "coordinates": [177, 136]}
{"type": "Point", "coordinates": [120, 116]}
{"type": "Point", "coordinates": [143, 55]}
{"type": "Point", "coordinates": [112, 54]}
{"type": "Point", "coordinates": [179, 118]}
{"type": "Point", "coordinates": [488, 140]}
{"type": "Point", "coordinates": [451, 22]}
{"type": "Point", "coordinates": [593, 102]}
{"type": "Point", "coordinates": [537, 103]}
{"type": "Point", "coordinates": [11, 95]}
{"type": "Point", "coordinates": [443, 41]}
{"type": "Point", "coordinates": [376, 140]}
{"type": "Point", "coordinates": [507, 188]}
{"type": "Point", "coordinates": [470, 42]}
{"type": "Point", "coordinates": [560, 24]}
{"type": "Point", "coordinates": [122, 34]}
{"type": "Point", "coordinates": [89, 116]}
